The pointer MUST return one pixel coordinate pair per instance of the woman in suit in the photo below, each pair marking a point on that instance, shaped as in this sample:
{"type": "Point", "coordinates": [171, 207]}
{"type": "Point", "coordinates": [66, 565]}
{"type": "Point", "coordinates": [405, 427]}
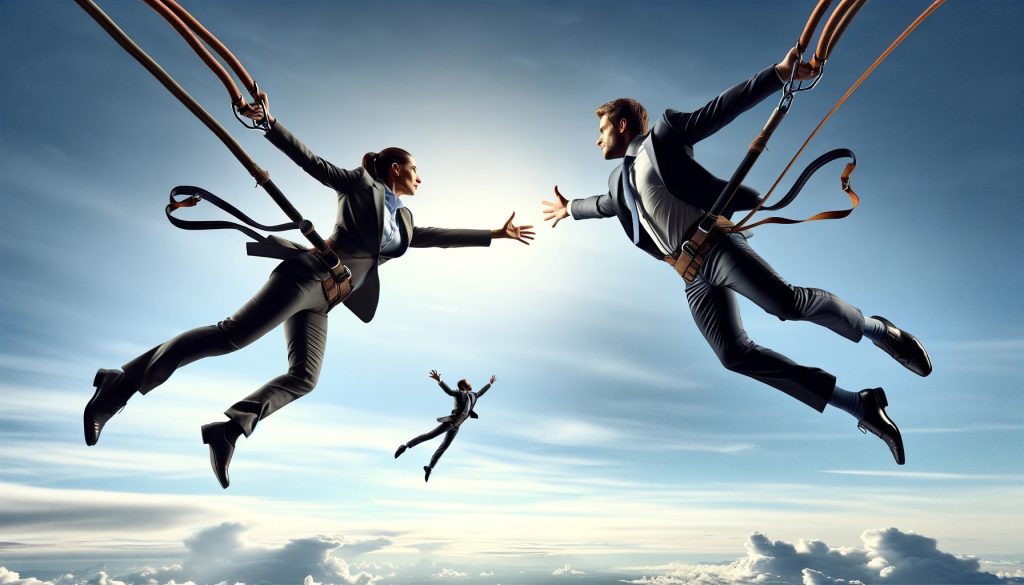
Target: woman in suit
{"type": "Point", "coordinates": [372, 227]}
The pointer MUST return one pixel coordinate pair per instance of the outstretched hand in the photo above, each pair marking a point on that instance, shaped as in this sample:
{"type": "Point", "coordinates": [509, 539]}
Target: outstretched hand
{"type": "Point", "coordinates": [557, 209]}
{"type": "Point", "coordinates": [511, 231]}
{"type": "Point", "coordinates": [435, 375]}
{"type": "Point", "coordinates": [493, 378]}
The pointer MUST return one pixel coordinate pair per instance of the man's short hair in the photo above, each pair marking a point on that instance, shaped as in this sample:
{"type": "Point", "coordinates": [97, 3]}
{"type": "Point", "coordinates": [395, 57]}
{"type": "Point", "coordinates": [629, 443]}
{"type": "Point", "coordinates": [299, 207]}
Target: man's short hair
{"type": "Point", "coordinates": [625, 108]}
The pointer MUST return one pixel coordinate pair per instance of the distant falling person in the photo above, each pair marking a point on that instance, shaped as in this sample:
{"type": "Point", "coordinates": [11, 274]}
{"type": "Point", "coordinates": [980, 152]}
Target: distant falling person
{"type": "Point", "coordinates": [465, 400]}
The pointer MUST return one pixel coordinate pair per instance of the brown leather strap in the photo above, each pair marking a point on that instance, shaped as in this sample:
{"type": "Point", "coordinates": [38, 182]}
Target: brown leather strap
{"type": "Point", "coordinates": [700, 242]}
{"type": "Point", "coordinates": [836, 214]}
{"type": "Point", "coordinates": [188, 27]}
{"type": "Point", "coordinates": [839, 214]}
{"type": "Point", "coordinates": [812, 23]}
{"type": "Point", "coordinates": [833, 29]}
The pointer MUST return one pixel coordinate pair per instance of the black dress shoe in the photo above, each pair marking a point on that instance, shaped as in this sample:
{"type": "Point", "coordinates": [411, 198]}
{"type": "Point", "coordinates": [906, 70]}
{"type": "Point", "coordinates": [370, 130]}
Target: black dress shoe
{"type": "Point", "coordinates": [221, 441]}
{"type": "Point", "coordinates": [426, 472]}
{"type": "Point", "coordinates": [106, 401]}
{"type": "Point", "coordinates": [904, 348]}
{"type": "Point", "coordinates": [401, 449]}
{"type": "Point", "coordinates": [878, 422]}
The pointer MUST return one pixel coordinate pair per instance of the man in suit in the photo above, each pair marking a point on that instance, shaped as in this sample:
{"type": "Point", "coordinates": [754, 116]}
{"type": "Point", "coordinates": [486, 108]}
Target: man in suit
{"type": "Point", "coordinates": [465, 400]}
{"type": "Point", "coordinates": [660, 192]}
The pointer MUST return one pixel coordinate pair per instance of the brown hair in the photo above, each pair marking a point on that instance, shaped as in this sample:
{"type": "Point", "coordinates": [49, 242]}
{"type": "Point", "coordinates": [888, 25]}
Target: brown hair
{"type": "Point", "coordinates": [464, 383]}
{"type": "Point", "coordinates": [378, 163]}
{"type": "Point", "coordinates": [625, 108]}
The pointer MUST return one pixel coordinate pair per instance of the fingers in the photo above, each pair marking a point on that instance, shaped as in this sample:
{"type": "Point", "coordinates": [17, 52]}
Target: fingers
{"type": "Point", "coordinates": [509, 221]}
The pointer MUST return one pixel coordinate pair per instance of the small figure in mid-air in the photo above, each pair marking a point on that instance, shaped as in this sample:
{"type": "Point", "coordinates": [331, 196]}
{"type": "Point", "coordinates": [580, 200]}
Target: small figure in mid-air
{"type": "Point", "coordinates": [465, 400]}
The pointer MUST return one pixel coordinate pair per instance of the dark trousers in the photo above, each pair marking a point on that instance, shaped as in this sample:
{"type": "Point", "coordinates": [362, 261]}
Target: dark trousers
{"type": "Point", "coordinates": [445, 427]}
{"type": "Point", "coordinates": [733, 267]}
{"type": "Point", "coordinates": [292, 295]}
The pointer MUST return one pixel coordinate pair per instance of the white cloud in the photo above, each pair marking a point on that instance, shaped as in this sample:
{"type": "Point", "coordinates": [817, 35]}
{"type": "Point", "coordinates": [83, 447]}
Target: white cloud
{"type": "Point", "coordinates": [888, 557]}
{"type": "Point", "coordinates": [929, 475]}
{"type": "Point", "coordinates": [567, 569]}
{"type": "Point", "coordinates": [8, 577]}
{"type": "Point", "coordinates": [447, 573]}
{"type": "Point", "coordinates": [222, 554]}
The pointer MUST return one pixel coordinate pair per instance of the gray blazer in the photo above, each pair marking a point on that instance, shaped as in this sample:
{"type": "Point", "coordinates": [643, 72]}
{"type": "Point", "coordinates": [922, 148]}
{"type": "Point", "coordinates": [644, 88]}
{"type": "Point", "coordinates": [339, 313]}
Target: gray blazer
{"type": "Point", "coordinates": [672, 139]}
{"type": "Point", "coordinates": [464, 404]}
{"type": "Point", "coordinates": [360, 224]}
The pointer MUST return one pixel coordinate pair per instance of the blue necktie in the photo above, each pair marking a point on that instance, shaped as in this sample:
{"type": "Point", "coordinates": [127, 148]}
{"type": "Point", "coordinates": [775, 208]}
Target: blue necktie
{"type": "Point", "coordinates": [630, 196]}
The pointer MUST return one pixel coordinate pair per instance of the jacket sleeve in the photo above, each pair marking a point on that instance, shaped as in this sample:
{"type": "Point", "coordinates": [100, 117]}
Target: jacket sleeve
{"type": "Point", "coordinates": [592, 207]}
{"type": "Point", "coordinates": [432, 237]}
{"type": "Point", "coordinates": [324, 171]}
{"type": "Point", "coordinates": [446, 389]}
{"type": "Point", "coordinates": [483, 390]}
{"type": "Point", "coordinates": [692, 127]}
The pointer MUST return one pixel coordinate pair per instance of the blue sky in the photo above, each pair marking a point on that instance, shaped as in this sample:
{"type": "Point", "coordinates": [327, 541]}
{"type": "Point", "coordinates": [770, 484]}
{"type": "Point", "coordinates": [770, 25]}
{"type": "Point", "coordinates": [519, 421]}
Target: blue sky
{"type": "Point", "coordinates": [614, 447]}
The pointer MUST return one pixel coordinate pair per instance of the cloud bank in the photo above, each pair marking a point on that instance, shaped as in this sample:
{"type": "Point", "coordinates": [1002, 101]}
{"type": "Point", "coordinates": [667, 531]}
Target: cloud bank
{"type": "Point", "coordinates": [220, 555]}
{"type": "Point", "coordinates": [888, 557]}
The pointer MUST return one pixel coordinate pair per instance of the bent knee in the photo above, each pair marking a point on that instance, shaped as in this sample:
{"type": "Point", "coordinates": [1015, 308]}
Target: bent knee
{"type": "Point", "coordinates": [304, 380]}
{"type": "Point", "coordinates": [734, 356]}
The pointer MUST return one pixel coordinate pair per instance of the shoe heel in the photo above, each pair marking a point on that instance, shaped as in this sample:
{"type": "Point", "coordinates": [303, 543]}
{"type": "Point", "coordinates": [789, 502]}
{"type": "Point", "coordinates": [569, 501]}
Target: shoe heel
{"type": "Point", "coordinates": [100, 375]}
{"type": "Point", "coordinates": [881, 398]}
{"type": "Point", "coordinates": [210, 431]}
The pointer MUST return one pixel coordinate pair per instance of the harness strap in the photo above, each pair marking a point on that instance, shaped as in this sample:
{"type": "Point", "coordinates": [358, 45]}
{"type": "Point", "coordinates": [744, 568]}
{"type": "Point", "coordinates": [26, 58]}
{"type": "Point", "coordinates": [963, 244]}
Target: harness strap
{"type": "Point", "coordinates": [193, 195]}
{"type": "Point", "coordinates": [337, 285]}
{"type": "Point", "coordinates": [812, 168]}
{"type": "Point", "coordinates": [741, 225]}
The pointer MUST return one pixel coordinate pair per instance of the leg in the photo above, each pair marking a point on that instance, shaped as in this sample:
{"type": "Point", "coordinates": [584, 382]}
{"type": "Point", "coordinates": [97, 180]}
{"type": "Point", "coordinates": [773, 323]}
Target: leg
{"type": "Point", "coordinates": [279, 298]}
{"type": "Point", "coordinates": [734, 264]}
{"type": "Point", "coordinates": [448, 438]}
{"type": "Point", "coordinates": [285, 293]}
{"type": "Point", "coordinates": [717, 315]}
{"type": "Point", "coordinates": [306, 337]}
{"type": "Point", "coordinates": [441, 428]}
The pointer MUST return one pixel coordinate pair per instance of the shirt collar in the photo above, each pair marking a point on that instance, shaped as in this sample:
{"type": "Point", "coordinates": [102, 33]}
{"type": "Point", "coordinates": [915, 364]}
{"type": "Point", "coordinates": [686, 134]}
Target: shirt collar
{"type": "Point", "coordinates": [391, 200]}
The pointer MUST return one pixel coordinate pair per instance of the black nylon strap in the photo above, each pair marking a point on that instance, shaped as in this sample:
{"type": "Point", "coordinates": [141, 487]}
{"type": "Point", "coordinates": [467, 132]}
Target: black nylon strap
{"type": "Point", "coordinates": [193, 195]}
{"type": "Point", "coordinates": [812, 168]}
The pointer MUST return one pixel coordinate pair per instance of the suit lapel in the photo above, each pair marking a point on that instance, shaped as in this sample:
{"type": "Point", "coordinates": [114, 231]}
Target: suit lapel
{"type": "Point", "coordinates": [378, 206]}
{"type": "Point", "coordinates": [404, 217]}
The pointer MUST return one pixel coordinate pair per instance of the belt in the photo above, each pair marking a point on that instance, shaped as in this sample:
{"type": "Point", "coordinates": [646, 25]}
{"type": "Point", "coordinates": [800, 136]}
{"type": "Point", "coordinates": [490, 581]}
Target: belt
{"type": "Point", "coordinates": [338, 283]}
{"type": "Point", "coordinates": [691, 254]}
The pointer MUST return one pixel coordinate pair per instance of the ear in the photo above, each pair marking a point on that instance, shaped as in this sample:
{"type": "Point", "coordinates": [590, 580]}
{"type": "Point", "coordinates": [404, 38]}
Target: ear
{"type": "Point", "coordinates": [623, 126]}
{"type": "Point", "coordinates": [397, 170]}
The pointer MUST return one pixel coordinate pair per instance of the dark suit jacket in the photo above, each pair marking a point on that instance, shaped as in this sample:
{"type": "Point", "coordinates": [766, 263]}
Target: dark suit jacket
{"type": "Point", "coordinates": [672, 139]}
{"type": "Point", "coordinates": [360, 222]}
{"type": "Point", "coordinates": [464, 403]}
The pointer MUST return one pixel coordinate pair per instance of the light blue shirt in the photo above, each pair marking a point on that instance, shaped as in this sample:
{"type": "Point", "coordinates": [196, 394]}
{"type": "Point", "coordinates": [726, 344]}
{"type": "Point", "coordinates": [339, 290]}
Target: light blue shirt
{"type": "Point", "coordinates": [391, 239]}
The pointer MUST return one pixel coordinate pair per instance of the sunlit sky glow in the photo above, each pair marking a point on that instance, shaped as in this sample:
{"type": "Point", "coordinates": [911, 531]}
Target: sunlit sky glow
{"type": "Point", "coordinates": [614, 446]}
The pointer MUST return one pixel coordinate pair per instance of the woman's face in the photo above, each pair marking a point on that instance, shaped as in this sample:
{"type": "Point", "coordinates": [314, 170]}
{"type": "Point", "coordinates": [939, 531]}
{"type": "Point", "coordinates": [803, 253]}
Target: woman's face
{"type": "Point", "coordinates": [406, 178]}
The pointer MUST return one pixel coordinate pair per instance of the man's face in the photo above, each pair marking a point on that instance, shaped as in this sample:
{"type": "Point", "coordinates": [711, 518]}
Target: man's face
{"type": "Point", "coordinates": [612, 139]}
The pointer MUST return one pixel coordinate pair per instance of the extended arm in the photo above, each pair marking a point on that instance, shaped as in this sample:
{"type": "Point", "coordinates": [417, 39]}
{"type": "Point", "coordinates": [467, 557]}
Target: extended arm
{"type": "Point", "coordinates": [695, 126]}
{"type": "Point", "coordinates": [692, 127]}
{"type": "Point", "coordinates": [432, 237]}
{"type": "Point", "coordinates": [487, 387]}
{"type": "Point", "coordinates": [589, 208]}
{"type": "Point", "coordinates": [322, 170]}
{"type": "Point", "coordinates": [437, 378]}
